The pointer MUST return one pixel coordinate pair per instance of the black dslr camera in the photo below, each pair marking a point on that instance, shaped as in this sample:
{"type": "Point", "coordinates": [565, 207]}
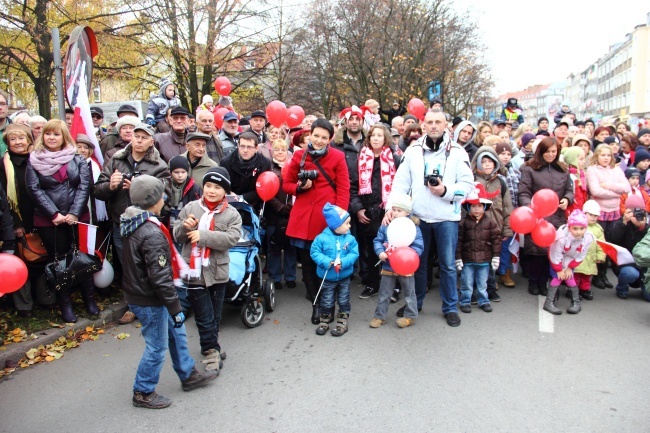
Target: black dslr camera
{"type": "Point", "coordinates": [639, 214]}
{"type": "Point", "coordinates": [130, 176]}
{"type": "Point", "coordinates": [305, 175]}
{"type": "Point", "coordinates": [432, 179]}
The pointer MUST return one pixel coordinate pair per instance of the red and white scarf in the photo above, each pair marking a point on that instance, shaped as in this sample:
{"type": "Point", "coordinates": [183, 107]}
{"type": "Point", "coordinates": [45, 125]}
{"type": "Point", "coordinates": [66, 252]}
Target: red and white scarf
{"type": "Point", "coordinates": [200, 256]}
{"type": "Point", "coordinates": [179, 266]}
{"type": "Point", "coordinates": [387, 165]}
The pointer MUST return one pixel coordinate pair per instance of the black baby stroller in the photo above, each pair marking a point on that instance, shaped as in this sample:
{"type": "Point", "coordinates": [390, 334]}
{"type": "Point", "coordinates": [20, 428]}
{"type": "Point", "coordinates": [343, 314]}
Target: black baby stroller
{"type": "Point", "coordinates": [246, 287]}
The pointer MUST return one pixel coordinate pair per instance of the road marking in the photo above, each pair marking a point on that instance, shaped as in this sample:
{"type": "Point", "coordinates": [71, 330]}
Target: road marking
{"type": "Point", "coordinates": [546, 319]}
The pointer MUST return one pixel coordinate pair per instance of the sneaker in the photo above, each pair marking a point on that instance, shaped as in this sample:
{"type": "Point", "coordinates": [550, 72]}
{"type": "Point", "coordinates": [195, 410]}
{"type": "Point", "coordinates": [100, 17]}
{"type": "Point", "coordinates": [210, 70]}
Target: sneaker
{"type": "Point", "coordinates": [128, 317]}
{"type": "Point", "coordinates": [376, 323]}
{"type": "Point", "coordinates": [486, 307]}
{"type": "Point", "coordinates": [277, 285]}
{"type": "Point", "coordinates": [197, 380]}
{"type": "Point", "coordinates": [494, 297]}
{"type": "Point", "coordinates": [291, 284]}
{"type": "Point", "coordinates": [368, 292]}
{"type": "Point", "coordinates": [466, 308]}
{"type": "Point", "coordinates": [213, 361]}
{"type": "Point", "coordinates": [394, 297]}
{"type": "Point", "coordinates": [405, 322]}
{"type": "Point", "coordinates": [152, 400]}
{"type": "Point", "coordinates": [452, 319]}
{"type": "Point", "coordinates": [400, 312]}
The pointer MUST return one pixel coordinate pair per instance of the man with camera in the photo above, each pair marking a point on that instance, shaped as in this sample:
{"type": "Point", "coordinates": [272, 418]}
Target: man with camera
{"type": "Point", "coordinates": [316, 174]}
{"type": "Point", "coordinates": [435, 170]}
{"type": "Point", "coordinates": [627, 232]}
{"type": "Point", "coordinates": [112, 186]}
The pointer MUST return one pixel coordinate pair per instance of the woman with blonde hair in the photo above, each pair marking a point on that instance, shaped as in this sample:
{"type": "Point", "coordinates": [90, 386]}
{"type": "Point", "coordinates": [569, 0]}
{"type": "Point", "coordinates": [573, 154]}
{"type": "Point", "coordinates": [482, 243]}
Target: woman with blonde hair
{"type": "Point", "coordinates": [58, 180]}
{"type": "Point", "coordinates": [483, 130]}
{"type": "Point", "coordinates": [521, 130]}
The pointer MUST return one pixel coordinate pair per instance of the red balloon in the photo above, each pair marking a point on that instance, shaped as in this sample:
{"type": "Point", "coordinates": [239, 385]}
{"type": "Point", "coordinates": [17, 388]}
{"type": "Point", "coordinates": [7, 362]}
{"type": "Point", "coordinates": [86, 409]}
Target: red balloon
{"type": "Point", "coordinates": [523, 220]}
{"type": "Point", "coordinates": [545, 202]}
{"type": "Point", "coordinates": [222, 86]}
{"type": "Point", "coordinates": [404, 261]}
{"type": "Point", "coordinates": [416, 107]}
{"type": "Point", "coordinates": [543, 234]}
{"type": "Point", "coordinates": [276, 112]}
{"type": "Point", "coordinates": [295, 116]}
{"type": "Point", "coordinates": [13, 273]}
{"type": "Point", "coordinates": [218, 116]}
{"type": "Point", "coordinates": [267, 185]}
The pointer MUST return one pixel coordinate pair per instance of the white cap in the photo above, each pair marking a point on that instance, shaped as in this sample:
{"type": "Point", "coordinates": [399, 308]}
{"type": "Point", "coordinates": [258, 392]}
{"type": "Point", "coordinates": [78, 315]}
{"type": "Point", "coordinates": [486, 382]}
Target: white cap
{"type": "Point", "coordinates": [207, 98]}
{"type": "Point", "coordinates": [592, 207]}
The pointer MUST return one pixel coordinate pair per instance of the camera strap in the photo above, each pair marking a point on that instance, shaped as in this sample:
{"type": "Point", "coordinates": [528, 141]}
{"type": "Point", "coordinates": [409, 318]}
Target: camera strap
{"type": "Point", "coordinates": [320, 169]}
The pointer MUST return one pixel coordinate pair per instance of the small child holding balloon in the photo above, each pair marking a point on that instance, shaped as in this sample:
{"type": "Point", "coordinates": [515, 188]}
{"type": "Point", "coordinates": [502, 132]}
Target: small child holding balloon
{"type": "Point", "coordinates": [478, 249]}
{"type": "Point", "coordinates": [402, 206]}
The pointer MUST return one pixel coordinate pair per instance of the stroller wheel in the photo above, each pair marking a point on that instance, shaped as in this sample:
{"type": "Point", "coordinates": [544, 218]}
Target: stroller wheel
{"type": "Point", "coordinates": [252, 313]}
{"type": "Point", "coordinates": [269, 295]}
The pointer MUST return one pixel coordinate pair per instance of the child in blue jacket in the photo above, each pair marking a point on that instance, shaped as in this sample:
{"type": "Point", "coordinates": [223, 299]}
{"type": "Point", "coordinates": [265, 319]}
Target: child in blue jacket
{"type": "Point", "coordinates": [402, 206]}
{"type": "Point", "coordinates": [334, 251]}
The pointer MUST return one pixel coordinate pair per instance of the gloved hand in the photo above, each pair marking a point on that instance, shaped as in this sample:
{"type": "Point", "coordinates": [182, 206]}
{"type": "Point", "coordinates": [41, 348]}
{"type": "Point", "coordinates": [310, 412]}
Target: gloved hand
{"type": "Point", "coordinates": [495, 263]}
{"type": "Point", "coordinates": [151, 122]}
{"type": "Point", "coordinates": [178, 319]}
{"type": "Point", "coordinates": [459, 265]}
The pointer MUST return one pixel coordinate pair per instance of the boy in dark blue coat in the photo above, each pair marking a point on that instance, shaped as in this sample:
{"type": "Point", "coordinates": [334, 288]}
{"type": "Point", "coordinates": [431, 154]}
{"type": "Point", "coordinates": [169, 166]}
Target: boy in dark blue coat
{"type": "Point", "coordinates": [402, 206]}
{"type": "Point", "coordinates": [334, 251]}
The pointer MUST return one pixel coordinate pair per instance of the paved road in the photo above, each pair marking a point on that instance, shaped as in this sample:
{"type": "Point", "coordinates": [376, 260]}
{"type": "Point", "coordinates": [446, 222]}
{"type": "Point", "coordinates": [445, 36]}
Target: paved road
{"type": "Point", "coordinates": [495, 373]}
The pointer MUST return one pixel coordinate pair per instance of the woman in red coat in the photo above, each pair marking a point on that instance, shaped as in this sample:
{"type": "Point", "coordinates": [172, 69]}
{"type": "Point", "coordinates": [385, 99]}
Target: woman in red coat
{"type": "Point", "coordinates": [315, 175]}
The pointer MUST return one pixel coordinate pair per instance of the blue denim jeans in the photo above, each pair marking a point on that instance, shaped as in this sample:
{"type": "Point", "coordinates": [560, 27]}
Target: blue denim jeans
{"type": "Point", "coordinates": [474, 274]}
{"type": "Point", "coordinates": [505, 260]}
{"type": "Point", "coordinates": [207, 304]}
{"type": "Point", "coordinates": [159, 335]}
{"type": "Point", "coordinates": [445, 235]}
{"type": "Point", "coordinates": [274, 259]}
{"type": "Point", "coordinates": [628, 275]}
{"type": "Point", "coordinates": [342, 290]}
{"type": "Point", "coordinates": [386, 288]}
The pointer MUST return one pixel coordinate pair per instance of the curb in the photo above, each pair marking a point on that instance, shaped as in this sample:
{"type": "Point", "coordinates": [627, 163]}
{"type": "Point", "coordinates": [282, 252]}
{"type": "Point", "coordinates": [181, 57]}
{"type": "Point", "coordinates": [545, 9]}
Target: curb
{"type": "Point", "coordinates": [15, 352]}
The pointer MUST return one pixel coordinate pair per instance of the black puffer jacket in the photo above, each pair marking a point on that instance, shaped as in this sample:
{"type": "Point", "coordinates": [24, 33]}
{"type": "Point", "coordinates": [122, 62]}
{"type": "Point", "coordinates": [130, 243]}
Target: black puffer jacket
{"type": "Point", "coordinates": [478, 241]}
{"type": "Point", "coordinates": [147, 280]}
{"type": "Point", "coordinates": [25, 203]}
{"type": "Point", "coordinates": [343, 143]}
{"type": "Point", "coordinates": [51, 196]}
{"type": "Point", "coordinates": [118, 200]}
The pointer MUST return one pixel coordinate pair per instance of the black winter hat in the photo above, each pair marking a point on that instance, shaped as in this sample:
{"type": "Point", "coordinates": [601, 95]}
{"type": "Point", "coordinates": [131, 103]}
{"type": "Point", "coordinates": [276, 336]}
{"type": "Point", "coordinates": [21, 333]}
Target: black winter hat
{"type": "Point", "coordinates": [179, 161]}
{"type": "Point", "coordinates": [218, 175]}
{"type": "Point", "coordinates": [643, 132]}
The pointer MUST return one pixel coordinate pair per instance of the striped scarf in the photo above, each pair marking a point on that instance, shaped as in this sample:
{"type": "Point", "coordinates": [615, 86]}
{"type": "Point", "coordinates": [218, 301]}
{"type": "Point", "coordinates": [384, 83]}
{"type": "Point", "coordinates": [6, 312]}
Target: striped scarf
{"type": "Point", "coordinates": [387, 167]}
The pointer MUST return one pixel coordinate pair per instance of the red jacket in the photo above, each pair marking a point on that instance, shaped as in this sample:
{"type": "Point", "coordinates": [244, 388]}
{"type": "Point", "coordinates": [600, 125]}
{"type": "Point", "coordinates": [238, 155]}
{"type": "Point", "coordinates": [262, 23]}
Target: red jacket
{"type": "Point", "coordinates": [306, 220]}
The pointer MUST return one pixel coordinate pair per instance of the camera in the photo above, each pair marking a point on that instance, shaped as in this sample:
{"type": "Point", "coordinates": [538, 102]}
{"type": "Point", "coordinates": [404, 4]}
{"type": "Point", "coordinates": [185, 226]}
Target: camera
{"type": "Point", "coordinates": [432, 179]}
{"type": "Point", "coordinates": [639, 214]}
{"type": "Point", "coordinates": [130, 176]}
{"type": "Point", "coordinates": [305, 175]}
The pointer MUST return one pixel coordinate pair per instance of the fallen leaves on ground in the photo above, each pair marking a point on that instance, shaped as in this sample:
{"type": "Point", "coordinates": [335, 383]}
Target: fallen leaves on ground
{"type": "Point", "coordinates": [18, 336]}
{"type": "Point", "coordinates": [122, 336]}
{"type": "Point", "coordinates": [51, 352]}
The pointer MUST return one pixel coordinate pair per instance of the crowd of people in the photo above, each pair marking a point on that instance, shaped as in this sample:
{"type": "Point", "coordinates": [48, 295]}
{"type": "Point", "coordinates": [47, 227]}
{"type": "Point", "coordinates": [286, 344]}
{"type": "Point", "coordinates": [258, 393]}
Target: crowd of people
{"type": "Point", "coordinates": [342, 183]}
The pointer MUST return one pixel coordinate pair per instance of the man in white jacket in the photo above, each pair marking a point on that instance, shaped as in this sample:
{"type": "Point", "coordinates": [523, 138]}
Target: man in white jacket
{"type": "Point", "coordinates": [435, 171]}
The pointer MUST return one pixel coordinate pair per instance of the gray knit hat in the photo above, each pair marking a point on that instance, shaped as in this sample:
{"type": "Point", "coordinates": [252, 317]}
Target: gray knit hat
{"type": "Point", "coordinates": [146, 191]}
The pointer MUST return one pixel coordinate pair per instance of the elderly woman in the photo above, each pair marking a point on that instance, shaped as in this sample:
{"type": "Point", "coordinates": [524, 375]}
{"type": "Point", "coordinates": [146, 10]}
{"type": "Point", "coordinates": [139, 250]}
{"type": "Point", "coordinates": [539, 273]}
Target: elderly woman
{"type": "Point", "coordinates": [18, 139]}
{"type": "Point", "coordinates": [331, 184]}
{"type": "Point", "coordinates": [370, 184]}
{"type": "Point", "coordinates": [36, 124]}
{"type": "Point", "coordinates": [59, 182]}
{"type": "Point", "coordinates": [125, 126]}
{"type": "Point", "coordinates": [544, 171]}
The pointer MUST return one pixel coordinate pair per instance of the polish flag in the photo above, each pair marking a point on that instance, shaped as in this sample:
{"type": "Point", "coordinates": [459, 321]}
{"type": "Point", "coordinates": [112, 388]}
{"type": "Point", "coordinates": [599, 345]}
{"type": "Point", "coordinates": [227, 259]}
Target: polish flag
{"type": "Point", "coordinates": [514, 247]}
{"type": "Point", "coordinates": [82, 122]}
{"type": "Point", "coordinates": [87, 238]}
{"type": "Point", "coordinates": [619, 255]}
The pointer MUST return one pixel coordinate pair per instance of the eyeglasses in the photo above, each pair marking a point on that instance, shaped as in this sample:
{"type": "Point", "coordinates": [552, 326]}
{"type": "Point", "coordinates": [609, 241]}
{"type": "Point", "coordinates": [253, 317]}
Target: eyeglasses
{"type": "Point", "coordinates": [246, 147]}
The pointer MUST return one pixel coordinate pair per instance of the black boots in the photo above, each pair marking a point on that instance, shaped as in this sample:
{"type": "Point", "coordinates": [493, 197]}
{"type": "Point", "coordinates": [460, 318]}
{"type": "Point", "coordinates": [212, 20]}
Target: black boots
{"type": "Point", "coordinates": [549, 305]}
{"type": "Point", "coordinates": [315, 317]}
{"type": "Point", "coordinates": [65, 305]}
{"type": "Point", "coordinates": [88, 293]}
{"type": "Point", "coordinates": [532, 288]}
{"type": "Point", "coordinates": [601, 281]}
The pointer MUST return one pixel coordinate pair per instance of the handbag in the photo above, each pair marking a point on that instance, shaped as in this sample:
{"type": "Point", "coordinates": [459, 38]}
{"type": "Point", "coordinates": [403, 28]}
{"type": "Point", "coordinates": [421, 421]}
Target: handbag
{"type": "Point", "coordinates": [31, 249]}
{"type": "Point", "coordinates": [76, 266]}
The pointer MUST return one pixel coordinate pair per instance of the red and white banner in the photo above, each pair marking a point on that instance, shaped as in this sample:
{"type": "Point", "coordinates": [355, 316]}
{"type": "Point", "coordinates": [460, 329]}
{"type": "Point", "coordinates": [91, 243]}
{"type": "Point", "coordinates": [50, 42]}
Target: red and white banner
{"type": "Point", "coordinates": [619, 255]}
{"type": "Point", "coordinates": [514, 247]}
{"type": "Point", "coordinates": [82, 122]}
{"type": "Point", "coordinates": [87, 238]}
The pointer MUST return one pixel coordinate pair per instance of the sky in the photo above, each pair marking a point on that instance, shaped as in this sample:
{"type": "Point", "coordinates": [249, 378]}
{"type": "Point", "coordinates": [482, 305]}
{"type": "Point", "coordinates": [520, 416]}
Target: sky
{"type": "Point", "coordinates": [521, 39]}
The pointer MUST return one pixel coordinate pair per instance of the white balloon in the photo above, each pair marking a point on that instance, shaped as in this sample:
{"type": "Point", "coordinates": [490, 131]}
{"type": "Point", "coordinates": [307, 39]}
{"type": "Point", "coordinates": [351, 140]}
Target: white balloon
{"type": "Point", "coordinates": [401, 232]}
{"type": "Point", "coordinates": [104, 278]}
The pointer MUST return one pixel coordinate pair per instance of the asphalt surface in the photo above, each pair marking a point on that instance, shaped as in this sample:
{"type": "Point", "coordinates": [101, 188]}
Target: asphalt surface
{"type": "Point", "coordinates": [495, 373]}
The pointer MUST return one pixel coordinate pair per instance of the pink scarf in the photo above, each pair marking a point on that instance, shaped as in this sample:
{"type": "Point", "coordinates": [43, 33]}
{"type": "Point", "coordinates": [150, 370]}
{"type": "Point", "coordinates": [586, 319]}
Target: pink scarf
{"type": "Point", "coordinates": [178, 264]}
{"type": "Point", "coordinates": [583, 179]}
{"type": "Point", "coordinates": [47, 163]}
{"type": "Point", "coordinates": [387, 165]}
{"type": "Point", "coordinates": [200, 256]}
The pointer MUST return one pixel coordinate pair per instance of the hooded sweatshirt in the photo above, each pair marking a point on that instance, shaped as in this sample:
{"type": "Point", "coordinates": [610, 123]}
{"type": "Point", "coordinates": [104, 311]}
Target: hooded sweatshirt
{"type": "Point", "coordinates": [470, 147]}
{"type": "Point", "coordinates": [159, 104]}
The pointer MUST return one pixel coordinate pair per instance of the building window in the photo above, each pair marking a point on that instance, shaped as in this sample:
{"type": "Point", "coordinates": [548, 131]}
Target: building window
{"type": "Point", "coordinates": [250, 64]}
